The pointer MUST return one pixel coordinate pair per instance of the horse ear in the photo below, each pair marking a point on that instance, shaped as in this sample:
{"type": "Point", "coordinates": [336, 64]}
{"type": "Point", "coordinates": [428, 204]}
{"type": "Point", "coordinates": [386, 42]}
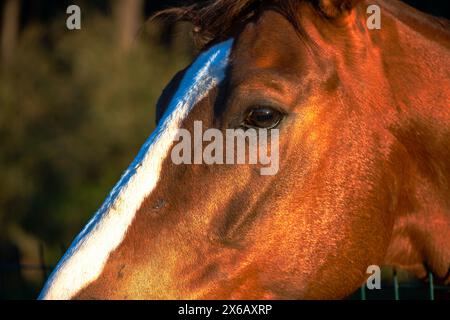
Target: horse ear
{"type": "Point", "coordinates": [337, 8]}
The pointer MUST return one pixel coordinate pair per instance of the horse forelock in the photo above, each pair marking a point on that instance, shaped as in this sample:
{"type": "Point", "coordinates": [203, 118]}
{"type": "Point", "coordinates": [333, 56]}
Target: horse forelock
{"type": "Point", "coordinates": [89, 252]}
{"type": "Point", "coordinates": [215, 20]}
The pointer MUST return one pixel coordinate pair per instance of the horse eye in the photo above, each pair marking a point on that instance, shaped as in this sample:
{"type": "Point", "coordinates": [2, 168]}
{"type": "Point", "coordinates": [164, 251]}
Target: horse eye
{"type": "Point", "coordinates": [263, 117]}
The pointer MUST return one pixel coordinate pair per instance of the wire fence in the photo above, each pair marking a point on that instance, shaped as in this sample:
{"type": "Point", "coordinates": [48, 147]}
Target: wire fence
{"type": "Point", "coordinates": [411, 290]}
{"type": "Point", "coordinates": [14, 284]}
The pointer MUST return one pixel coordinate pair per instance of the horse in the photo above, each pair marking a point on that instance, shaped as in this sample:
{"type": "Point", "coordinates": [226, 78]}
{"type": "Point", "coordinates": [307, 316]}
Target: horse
{"type": "Point", "coordinates": [364, 161]}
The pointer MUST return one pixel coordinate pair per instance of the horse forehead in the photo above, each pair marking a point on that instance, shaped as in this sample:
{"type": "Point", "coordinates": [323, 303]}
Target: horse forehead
{"type": "Point", "coordinates": [91, 249]}
{"type": "Point", "coordinates": [261, 46]}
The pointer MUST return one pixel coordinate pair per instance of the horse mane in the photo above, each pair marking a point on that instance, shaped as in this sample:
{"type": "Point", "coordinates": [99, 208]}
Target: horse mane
{"type": "Point", "coordinates": [213, 20]}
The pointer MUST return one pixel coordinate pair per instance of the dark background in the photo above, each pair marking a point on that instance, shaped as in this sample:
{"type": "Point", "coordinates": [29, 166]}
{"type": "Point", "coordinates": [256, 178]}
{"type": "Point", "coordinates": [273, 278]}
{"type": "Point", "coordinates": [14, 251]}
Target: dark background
{"type": "Point", "coordinates": [75, 106]}
{"type": "Point", "coordinates": [46, 10]}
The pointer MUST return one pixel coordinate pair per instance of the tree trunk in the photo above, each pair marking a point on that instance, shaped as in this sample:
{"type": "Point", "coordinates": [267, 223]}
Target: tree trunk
{"type": "Point", "coordinates": [128, 16]}
{"type": "Point", "coordinates": [10, 30]}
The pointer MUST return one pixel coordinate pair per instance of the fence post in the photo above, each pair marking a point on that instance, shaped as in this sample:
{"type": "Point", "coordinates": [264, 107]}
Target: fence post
{"type": "Point", "coordinates": [396, 289]}
{"type": "Point", "coordinates": [363, 292]}
{"type": "Point", "coordinates": [430, 278]}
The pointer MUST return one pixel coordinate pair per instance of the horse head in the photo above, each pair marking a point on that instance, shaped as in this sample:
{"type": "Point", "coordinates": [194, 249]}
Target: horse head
{"type": "Point", "coordinates": [361, 120]}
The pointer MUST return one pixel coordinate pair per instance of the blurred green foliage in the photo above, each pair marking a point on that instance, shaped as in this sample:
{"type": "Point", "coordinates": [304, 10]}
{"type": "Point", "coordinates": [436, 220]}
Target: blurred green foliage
{"type": "Point", "coordinates": [74, 111]}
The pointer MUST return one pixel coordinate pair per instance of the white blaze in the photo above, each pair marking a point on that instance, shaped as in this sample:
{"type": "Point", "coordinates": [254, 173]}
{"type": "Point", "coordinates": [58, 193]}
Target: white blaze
{"type": "Point", "coordinates": [86, 257]}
